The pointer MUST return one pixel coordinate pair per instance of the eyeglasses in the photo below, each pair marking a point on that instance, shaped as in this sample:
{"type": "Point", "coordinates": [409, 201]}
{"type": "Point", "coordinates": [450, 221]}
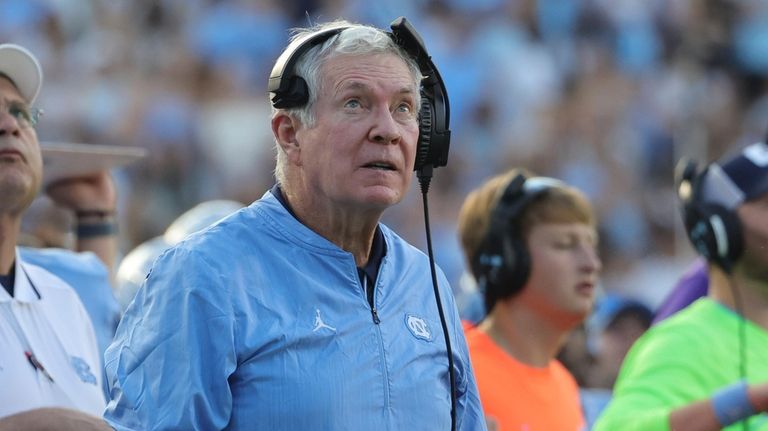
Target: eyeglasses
{"type": "Point", "coordinates": [25, 116]}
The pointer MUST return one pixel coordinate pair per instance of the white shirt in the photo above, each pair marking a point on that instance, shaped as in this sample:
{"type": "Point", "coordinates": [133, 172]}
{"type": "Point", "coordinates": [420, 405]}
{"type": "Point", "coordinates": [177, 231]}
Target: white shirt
{"type": "Point", "coordinates": [46, 323]}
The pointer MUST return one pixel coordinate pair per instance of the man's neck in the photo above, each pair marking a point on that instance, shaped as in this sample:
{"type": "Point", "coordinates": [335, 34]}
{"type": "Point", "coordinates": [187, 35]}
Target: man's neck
{"type": "Point", "coordinates": [9, 234]}
{"type": "Point", "coordinates": [524, 336]}
{"type": "Point", "coordinates": [349, 230]}
{"type": "Point", "coordinates": [743, 294]}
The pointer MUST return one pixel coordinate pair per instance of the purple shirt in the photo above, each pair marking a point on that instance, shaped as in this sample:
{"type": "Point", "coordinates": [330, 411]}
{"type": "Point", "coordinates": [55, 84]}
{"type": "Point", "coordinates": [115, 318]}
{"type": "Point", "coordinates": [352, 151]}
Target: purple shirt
{"type": "Point", "coordinates": [692, 285]}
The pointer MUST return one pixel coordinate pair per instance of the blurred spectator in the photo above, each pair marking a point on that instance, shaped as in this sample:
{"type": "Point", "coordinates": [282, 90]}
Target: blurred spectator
{"type": "Point", "coordinates": [614, 326]}
{"type": "Point", "coordinates": [136, 264]}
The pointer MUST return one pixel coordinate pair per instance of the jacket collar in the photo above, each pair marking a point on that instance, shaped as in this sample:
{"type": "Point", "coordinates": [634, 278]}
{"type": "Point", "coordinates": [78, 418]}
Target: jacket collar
{"type": "Point", "coordinates": [24, 289]}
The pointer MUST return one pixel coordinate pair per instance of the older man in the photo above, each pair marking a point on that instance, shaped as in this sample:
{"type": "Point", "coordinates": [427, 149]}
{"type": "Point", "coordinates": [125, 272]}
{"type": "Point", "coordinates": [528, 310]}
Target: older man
{"type": "Point", "coordinates": [49, 354]}
{"type": "Point", "coordinates": [302, 311]}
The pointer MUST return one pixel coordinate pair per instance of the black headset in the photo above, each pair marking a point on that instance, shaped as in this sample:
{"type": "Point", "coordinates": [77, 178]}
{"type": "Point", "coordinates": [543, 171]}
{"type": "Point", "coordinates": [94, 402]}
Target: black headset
{"type": "Point", "coordinates": [714, 230]}
{"type": "Point", "coordinates": [502, 263]}
{"type": "Point", "coordinates": [291, 91]}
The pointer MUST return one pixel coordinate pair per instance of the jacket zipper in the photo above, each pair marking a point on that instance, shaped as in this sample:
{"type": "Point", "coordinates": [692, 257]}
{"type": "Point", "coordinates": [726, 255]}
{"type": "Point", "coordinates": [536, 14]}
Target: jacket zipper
{"type": "Point", "coordinates": [369, 293]}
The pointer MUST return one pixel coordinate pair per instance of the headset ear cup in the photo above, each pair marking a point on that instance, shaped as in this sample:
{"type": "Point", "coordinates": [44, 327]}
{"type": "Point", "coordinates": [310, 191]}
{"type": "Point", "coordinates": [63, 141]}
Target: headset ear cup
{"type": "Point", "coordinates": [725, 228]}
{"type": "Point", "coordinates": [426, 117]}
{"type": "Point", "coordinates": [502, 263]}
{"type": "Point", "coordinates": [716, 233]}
{"type": "Point", "coordinates": [700, 230]}
{"type": "Point", "coordinates": [288, 89]}
{"type": "Point", "coordinates": [296, 94]}
{"type": "Point", "coordinates": [506, 279]}
{"type": "Point", "coordinates": [517, 266]}
{"type": "Point", "coordinates": [486, 265]}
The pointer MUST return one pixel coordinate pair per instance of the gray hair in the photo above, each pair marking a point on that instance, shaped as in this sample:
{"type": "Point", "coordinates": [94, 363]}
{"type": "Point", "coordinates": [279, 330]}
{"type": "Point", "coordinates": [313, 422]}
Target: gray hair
{"type": "Point", "coordinates": [355, 39]}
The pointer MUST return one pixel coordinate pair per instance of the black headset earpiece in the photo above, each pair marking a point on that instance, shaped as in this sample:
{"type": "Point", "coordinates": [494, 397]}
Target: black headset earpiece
{"type": "Point", "coordinates": [714, 231]}
{"type": "Point", "coordinates": [291, 91]}
{"type": "Point", "coordinates": [434, 113]}
{"type": "Point", "coordinates": [288, 89]}
{"type": "Point", "coordinates": [502, 263]}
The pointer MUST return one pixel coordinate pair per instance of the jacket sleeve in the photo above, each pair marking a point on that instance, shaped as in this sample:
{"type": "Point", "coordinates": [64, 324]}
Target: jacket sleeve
{"type": "Point", "coordinates": [174, 350]}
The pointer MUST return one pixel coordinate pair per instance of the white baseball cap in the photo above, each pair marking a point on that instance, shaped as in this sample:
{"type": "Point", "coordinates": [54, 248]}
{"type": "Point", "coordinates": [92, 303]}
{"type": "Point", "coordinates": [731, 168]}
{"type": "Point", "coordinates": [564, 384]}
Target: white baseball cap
{"type": "Point", "coordinates": [23, 68]}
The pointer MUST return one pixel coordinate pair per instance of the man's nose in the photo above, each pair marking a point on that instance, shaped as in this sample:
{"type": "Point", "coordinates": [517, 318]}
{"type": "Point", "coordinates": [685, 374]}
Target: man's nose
{"type": "Point", "coordinates": [8, 124]}
{"type": "Point", "coordinates": [591, 259]}
{"type": "Point", "coordinates": [385, 129]}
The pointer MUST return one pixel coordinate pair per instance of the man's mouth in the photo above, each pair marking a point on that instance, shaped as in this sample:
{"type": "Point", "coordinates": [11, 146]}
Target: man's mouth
{"type": "Point", "coordinates": [380, 165]}
{"type": "Point", "coordinates": [585, 288]}
{"type": "Point", "coordinates": [9, 153]}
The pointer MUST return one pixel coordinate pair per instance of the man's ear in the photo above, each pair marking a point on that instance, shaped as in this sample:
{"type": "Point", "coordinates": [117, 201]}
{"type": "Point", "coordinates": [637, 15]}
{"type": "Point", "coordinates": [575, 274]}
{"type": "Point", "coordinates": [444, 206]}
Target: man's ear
{"type": "Point", "coordinates": [285, 128]}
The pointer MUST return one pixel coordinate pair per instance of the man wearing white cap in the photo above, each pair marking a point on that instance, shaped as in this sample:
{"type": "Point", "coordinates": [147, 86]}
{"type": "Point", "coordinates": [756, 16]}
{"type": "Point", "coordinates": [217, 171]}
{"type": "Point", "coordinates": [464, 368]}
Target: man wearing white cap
{"type": "Point", "coordinates": [48, 352]}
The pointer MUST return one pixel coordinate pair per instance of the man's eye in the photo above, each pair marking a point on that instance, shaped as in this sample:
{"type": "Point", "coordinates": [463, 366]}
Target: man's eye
{"type": "Point", "coordinates": [404, 107]}
{"type": "Point", "coordinates": [19, 112]}
{"type": "Point", "coordinates": [352, 103]}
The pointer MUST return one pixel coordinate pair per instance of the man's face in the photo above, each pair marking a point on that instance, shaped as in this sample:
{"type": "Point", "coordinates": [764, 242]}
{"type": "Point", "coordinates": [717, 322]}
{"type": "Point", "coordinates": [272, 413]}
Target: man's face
{"type": "Point", "coordinates": [361, 151]}
{"type": "Point", "coordinates": [564, 271]}
{"type": "Point", "coordinates": [754, 220]}
{"type": "Point", "coordinates": [21, 165]}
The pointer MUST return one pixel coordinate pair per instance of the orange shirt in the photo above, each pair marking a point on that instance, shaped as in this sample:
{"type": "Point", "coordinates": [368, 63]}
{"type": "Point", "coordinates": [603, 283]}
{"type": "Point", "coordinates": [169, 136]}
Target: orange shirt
{"type": "Point", "coordinates": [520, 397]}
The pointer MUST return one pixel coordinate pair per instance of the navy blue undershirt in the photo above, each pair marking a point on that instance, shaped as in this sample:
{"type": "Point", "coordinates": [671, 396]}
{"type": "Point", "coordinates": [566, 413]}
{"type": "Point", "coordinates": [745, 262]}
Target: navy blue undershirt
{"type": "Point", "coordinates": [378, 248]}
{"type": "Point", "coordinates": [8, 280]}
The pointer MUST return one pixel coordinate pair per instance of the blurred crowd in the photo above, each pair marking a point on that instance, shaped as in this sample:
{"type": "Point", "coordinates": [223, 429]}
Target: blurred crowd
{"type": "Point", "coordinates": [604, 94]}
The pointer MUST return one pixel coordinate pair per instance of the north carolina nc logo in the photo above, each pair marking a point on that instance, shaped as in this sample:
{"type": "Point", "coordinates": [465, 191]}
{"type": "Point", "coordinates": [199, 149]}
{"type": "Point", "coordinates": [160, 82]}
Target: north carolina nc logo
{"type": "Point", "coordinates": [82, 369]}
{"type": "Point", "coordinates": [418, 327]}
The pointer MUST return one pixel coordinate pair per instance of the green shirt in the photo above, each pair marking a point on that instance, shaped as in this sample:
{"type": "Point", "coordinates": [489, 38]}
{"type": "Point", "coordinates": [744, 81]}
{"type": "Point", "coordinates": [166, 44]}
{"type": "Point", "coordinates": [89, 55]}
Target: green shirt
{"type": "Point", "coordinates": [685, 358]}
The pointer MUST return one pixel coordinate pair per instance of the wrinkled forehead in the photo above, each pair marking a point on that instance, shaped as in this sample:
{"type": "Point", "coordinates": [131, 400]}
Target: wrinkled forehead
{"type": "Point", "coordinates": [386, 69]}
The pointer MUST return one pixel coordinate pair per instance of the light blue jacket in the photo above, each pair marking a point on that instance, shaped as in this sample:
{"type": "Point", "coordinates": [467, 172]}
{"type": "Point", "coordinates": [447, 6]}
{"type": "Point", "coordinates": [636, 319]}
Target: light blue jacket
{"type": "Point", "coordinates": [258, 323]}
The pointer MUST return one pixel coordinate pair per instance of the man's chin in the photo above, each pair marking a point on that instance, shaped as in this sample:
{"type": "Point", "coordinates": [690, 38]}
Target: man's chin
{"type": "Point", "coordinates": [16, 192]}
{"type": "Point", "coordinates": [382, 197]}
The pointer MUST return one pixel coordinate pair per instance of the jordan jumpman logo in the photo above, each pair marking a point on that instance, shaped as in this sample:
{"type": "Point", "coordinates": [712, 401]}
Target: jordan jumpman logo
{"type": "Point", "coordinates": [319, 324]}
